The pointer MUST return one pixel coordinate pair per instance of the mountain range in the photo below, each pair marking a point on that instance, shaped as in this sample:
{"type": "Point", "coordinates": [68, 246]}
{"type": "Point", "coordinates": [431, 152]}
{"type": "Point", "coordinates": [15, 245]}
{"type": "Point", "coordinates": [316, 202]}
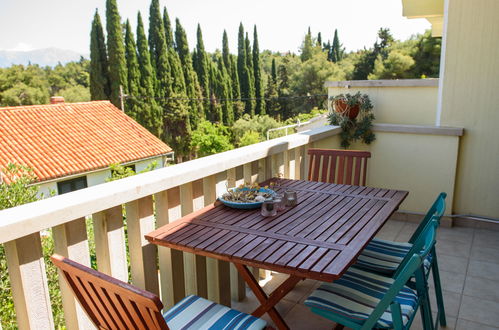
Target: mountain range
{"type": "Point", "coordinates": [46, 56]}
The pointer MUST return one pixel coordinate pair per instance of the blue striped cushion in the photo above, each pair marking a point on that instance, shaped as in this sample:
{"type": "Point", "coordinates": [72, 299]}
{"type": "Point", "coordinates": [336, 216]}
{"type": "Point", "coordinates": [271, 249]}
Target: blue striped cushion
{"type": "Point", "coordinates": [194, 312]}
{"type": "Point", "coordinates": [384, 257]}
{"type": "Point", "coordinates": [355, 295]}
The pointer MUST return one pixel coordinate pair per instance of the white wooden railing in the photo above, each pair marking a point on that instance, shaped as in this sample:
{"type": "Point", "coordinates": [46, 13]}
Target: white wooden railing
{"type": "Point", "coordinates": [150, 200]}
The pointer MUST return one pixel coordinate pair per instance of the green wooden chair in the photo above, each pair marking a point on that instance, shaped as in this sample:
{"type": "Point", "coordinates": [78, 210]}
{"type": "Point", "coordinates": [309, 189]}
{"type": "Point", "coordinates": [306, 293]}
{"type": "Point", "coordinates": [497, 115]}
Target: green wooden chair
{"type": "Point", "coordinates": [364, 300]}
{"type": "Point", "coordinates": [388, 257]}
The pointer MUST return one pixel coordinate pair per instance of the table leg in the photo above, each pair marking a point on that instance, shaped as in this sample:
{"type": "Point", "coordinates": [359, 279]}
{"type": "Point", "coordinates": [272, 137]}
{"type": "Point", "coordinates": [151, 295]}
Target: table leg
{"type": "Point", "coordinates": [268, 302]}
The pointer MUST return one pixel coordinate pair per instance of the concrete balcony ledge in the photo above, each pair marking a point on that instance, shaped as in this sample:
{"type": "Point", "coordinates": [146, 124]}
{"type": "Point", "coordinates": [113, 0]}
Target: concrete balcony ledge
{"type": "Point", "coordinates": [431, 82]}
{"type": "Point", "coordinates": [419, 129]}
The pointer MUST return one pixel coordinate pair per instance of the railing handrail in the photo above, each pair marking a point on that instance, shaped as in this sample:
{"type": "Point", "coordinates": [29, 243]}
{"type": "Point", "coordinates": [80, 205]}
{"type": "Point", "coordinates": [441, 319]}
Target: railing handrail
{"type": "Point", "coordinates": [33, 217]}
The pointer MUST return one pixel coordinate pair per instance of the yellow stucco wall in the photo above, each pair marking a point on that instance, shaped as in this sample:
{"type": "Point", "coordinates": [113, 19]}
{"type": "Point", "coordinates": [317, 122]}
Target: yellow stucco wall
{"type": "Point", "coordinates": [470, 99]}
{"type": "Point", "coordinates": [413, 105]}
{"type": "Point", "coordinates": [422, 164]}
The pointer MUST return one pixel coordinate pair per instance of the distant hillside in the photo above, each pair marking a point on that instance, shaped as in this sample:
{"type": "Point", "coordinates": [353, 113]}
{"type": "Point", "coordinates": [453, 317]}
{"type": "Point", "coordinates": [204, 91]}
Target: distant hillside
{"type": "Point", "coordinates": [42, 57]}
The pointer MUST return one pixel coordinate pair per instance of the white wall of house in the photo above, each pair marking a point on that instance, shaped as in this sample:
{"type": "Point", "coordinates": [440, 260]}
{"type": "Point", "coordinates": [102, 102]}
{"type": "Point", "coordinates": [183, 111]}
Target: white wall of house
{"type": "Point", "coordinates": [96, 177]}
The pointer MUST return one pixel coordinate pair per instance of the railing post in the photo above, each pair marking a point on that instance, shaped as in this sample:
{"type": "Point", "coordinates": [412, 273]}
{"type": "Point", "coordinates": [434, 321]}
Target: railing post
{"type": "Point", "coordinates": [171, 261]}
{"type": "Point", "coordinates": [298, 163]}
{"type": "Point", "coordinates": [70, 240]}
{"type": "Point", "coordinates": [201, 276]}
{"type": "Point", "coordinates": [143, 255]}
{"type": "Point", "coordinates": [28, 282]}
{"type": "Point", "coordinates": [110, 243]}
{"type": "Point", "coordinates": [237, 285]}
{"type": "Point", "coordinates": [218, 271]}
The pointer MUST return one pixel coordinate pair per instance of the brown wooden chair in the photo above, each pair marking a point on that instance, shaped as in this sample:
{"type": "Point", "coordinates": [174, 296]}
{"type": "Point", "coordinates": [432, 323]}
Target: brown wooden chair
{"type": "Point", "coordinates": [338, 166]}
{"type": "Point", "coordinates": [114, 304]}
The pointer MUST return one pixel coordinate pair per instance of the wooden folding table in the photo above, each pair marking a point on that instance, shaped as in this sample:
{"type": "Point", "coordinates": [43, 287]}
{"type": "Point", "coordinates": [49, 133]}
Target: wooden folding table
{"type": "Point", "coordinates": [317, 239]}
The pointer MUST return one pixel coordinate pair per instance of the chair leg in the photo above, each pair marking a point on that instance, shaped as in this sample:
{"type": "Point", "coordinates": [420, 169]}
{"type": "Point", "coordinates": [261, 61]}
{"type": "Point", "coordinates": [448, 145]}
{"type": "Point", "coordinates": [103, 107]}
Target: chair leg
{"type": "Point", "coordinates": [438, 291]}
{"type": "Point", "coordinates": [422, 289]}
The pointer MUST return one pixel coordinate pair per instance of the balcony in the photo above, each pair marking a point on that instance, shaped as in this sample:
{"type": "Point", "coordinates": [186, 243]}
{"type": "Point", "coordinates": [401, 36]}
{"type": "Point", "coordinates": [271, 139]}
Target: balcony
{"type": "Point", "coordinates": [408, 154]}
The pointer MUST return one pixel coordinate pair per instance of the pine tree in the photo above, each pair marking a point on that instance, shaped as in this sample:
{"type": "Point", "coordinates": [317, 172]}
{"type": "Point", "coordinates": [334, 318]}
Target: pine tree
{"type": "Point", "coordinates": [319, 39]}
{"type": "Point", "coordinates": [99, 70]}
{"type": "Point", "coordinates": [159, 53]}
{"type": "Point", "coordinates": [133, 106]}
{"type": "Point", "coordinates": [274, 71]}
{"type": "Point", "coordinates": [260, 103]}
{"type": "Point", "coordinates": [152, 113]}
{"type": "Point", "coordinates": [191, 80]}
{"type": "Point", "coordinates": [307, 47]}
{"type": "Point", "coordinates": [168, 29]}
{"type": "Point", "coordinates": [116, 52]}
{"type": "Point", "coordinates": [225, 51]}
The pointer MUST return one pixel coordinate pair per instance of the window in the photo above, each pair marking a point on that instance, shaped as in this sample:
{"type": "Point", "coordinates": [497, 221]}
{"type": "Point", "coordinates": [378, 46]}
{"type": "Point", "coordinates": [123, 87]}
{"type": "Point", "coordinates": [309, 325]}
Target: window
{"type": "Point", "coordinates": [71, 185]}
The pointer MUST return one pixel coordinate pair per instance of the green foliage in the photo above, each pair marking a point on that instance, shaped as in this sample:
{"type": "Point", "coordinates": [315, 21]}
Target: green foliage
{"type": "Point", "coordinates": [357, 128]}
{"type": "Point", "coordinates": [395, 66]}
{"type": "Point", "coordinates": [209, 139]}
{"type": "Point", "coordinates": [18, 191]}
{"type": "Point", "coordinates": [99, 66]}
{"type": "Point", "coordinates": [76, 93]}
{"type": "Point", "coordinates": [337, 51]}
{"type": "Point", "coordinates": [249, 137]}
{"type": "Point", "coordinates": [116, 53]}
{"type": "Point", "coordinates": [257, 123]}
{"type": "Point", "coordinates": [119, 171]}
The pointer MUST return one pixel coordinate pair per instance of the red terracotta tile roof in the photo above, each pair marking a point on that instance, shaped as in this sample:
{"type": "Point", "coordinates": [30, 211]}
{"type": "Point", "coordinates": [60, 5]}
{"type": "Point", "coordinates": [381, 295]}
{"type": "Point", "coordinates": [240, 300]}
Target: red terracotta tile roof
{"type": "Point", "coordinates": [62, 139]}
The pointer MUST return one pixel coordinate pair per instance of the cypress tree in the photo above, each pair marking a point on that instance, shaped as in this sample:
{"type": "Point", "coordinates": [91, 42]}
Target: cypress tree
{"type": "Point", "coordinates": [116, 51]}
{"type": "Point", "coordinates": [271, 97]}
{"type": "Point", "coordinates": [248, 83]}
{"type": "Point", "coordinates": [306, 48]}
{"type": "Point", "coordinates": [168, 28]}
{"type": "Point", "coordinates": [337, 52]}
{"type": "Point", "coordinates": [152, 113]}
{"type": "Point", "coordinates": [159, 53]}
{"type": "Point", "coordinates": [260, 103]}
{"type": "Point", "coordinates": [283, 91]}
{"type": "Point", "coordinates": [99, 70]}
{"type": "Point", "coordinates": [225, 51]}
{"type": "Point", "coordinates": [202, 65]}
{"type": "Point", "coordinates": [223, 91]}
{"type": "Point", "coordinates": [319, 39]}
{"type": "Point", "coordinates": [238, 105]}
{"type": "Point", "coordinates": [133, 107]}
{"type": "Point", "coordinates": [241, 59]}
{"type": "Point", "coordinates": [191, 80]}
{"type": "Point", "coordinates": [274, 71]}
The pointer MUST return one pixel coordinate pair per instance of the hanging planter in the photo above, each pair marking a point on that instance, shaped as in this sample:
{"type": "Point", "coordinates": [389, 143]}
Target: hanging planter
{"type": "Point", "coordinates": [353, 113]}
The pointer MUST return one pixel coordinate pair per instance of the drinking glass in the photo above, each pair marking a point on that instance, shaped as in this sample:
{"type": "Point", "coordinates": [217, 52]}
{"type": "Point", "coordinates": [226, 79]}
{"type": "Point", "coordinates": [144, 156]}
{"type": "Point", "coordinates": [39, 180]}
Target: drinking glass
{"type": "Point", "coordinates": [281, 204]}
{"type": "Point", "coordinates": [269, 208]}
{"type": "Point", "coordinates": [291, 198]}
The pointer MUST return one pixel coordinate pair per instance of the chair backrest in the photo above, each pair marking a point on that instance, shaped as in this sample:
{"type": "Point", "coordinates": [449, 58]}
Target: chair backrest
{"type": "Point", "coordinates": [436, 211]}
{"type": "Point", "coordinates": [109, 302]}
{"type": "Point", "coordinates": [413, 267]}
{"type": "Point", "coordinates": [338, 166]}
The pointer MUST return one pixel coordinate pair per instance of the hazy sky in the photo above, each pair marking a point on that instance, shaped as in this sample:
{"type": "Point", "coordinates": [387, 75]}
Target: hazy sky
{"type": "Point", "coordinates": [33, 24]}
